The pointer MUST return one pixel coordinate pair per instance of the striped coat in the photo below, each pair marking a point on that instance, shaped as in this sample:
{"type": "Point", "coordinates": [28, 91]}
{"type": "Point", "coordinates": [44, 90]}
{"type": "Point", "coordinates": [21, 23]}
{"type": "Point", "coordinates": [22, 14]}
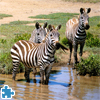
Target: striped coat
{"type": "Point", "coordinates": [76, 34]}
{"type": "Point", "coordinates": [36, 55]}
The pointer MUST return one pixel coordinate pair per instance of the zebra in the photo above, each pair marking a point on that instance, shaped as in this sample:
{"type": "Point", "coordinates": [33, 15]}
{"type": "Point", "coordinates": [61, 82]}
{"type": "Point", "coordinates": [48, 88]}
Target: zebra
{"type": "Point", "coordinates": [37, 36]}
{"type": "Point", "coordinates": [39, 33]}
{"type": "Point", "coordinates": [36, 55]}
{"type": "Point", "coordinates": [76, 34]}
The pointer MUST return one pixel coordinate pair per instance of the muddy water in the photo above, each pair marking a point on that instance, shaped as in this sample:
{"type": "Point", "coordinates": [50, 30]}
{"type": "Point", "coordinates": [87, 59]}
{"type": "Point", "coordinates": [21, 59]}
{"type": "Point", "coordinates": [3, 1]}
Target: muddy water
{"type": "Point", "coordinates": [64, 84]}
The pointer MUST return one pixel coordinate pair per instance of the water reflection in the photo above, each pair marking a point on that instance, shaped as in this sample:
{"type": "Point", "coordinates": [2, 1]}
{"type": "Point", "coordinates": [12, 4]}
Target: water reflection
{"type": "Point", "coordinates": [63, 84]}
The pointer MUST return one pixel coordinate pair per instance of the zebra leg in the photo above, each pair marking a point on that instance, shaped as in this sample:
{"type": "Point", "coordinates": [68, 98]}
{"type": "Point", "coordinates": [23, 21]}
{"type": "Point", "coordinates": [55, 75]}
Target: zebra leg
{"type": "Point", "coordinates": [81, 50]}
{"type": "Point", "coordinates": [75, 55]}
{"type": "Point", "coordinates": [34, 71]}
{"type": "Point", "coordinates": [42, 73]}
{"type": "Point", "coordinates": [47, 72]}
{"type": "Point", "coordinates": [27, 73]}
{"type": "Point", "coordinates": [15, 69]}
{"type": "Point", "coordinates": [70, 47]}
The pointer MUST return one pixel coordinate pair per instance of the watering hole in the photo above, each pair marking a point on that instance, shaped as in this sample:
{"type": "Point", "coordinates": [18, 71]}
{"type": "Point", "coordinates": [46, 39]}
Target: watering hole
{"type": "Point", "coordinates": [64, 84]}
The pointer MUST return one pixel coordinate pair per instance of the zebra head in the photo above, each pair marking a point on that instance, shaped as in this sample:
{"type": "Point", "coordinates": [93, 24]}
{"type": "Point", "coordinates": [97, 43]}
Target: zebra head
{"type": "Point", "coordinates": [39, 33]}
{"type": "Point", "coordinates": [84, 18]}
{"type": "Point", "coordinates": [53, 35]}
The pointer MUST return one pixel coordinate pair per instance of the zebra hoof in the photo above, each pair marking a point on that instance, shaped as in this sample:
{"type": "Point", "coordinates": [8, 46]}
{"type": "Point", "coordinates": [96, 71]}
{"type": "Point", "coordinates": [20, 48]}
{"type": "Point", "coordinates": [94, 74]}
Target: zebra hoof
{"type": "Point", "coordinates": [28, 80]}
{"type": "Point", "coordinates": [68, 63]}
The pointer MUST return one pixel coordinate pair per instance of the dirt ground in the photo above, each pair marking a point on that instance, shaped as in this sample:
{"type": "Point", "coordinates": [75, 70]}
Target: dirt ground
{"type": "Point", "coordinates": [22, 9]}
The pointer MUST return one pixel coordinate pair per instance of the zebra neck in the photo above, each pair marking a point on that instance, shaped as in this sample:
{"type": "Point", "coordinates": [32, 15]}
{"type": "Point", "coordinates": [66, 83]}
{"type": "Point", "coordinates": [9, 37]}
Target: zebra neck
{"type": "Point", "coordinates": [80, 34]}
{"type": "Point", "coordinates": [50, 48]}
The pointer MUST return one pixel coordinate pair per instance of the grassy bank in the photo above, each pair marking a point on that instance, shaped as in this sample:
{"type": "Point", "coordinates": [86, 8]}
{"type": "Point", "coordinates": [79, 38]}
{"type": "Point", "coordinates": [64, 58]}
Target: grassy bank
{"type": "Point", "coordinates": [18, 30]}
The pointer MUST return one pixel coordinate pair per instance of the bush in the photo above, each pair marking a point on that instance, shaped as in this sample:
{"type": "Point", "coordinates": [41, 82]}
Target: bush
{"type": "Point", "coordinates": [90, 66]}
{"type": "Point", "coordinates": [92, 41]}
{"type": "Point", "coordinates": [65, 41]}
{"type": "Point", "coordinates": [25, 36]}
{"type": "Point", "coordinates": [5, 57]}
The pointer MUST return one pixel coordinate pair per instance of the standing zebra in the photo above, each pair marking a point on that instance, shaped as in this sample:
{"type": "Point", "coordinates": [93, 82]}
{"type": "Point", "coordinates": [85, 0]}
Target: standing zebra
{"type": "Point", "coordinates": [76, 34]}
{"type": "Point", "coordinates": [36, 55]}
{"type": "Point", "coordinates": [39, 33]}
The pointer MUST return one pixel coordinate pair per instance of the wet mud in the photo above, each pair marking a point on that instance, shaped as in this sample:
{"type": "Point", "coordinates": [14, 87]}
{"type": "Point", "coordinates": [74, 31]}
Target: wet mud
{"type": "Point", "coordinates": [64, 84]}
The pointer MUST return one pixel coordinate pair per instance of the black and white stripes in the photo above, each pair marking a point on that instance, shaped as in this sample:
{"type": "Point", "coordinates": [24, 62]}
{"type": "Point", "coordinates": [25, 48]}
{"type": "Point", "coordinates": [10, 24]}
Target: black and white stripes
{"type": "Point", "coordinates": [76, 34]}
{"type": "Point", "coordinates": [35, 55]}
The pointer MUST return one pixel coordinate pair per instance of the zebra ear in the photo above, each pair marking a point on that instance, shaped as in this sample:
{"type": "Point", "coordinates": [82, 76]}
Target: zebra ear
{"type": "Point", "coordinates": [81, 10]}
{"type": "Point", "coordinates": [58, 27]}
{"type": "Point", "coordinates": [45, 25]}
{"type": "Point", "coordinates": [50, 27]}
{"type": "Point", "coordinates": [88, 10]}
{"type": "Point", "coordinates": [37, 25]}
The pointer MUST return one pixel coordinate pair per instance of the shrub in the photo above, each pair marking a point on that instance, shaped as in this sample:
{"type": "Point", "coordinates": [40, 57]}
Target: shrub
{"type": "Point", "coordinates": [25, 36]}
{"type": "Point", "coordinates": [92, 41]}
{"type": "Point", "coordinates": [90, 66]}
{"type": "Point", "coordinates": [65, 41]}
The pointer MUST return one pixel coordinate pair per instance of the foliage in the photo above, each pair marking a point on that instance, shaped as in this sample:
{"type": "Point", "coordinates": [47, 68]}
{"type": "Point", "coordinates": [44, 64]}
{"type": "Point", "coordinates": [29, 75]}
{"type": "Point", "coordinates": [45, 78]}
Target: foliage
{"type": "Point", "coordinates": [65, 41]}
{"type": "Point", "coordinates": [55, 18]}
{"type": "Point", "coordinates": [3, 41]}
{"type": "Point", "coordinates": [5, 58]}
{"type": "Point", "coordinates": [90, 66]}
{"type": "Point", "coordinates": [20, 22]}
{"type": "Point", "coordinates": [92, 41]}
{"type": "Point", "coordinates": [18, 37]}
{"type": "Point", "coordinates": [4, 15]}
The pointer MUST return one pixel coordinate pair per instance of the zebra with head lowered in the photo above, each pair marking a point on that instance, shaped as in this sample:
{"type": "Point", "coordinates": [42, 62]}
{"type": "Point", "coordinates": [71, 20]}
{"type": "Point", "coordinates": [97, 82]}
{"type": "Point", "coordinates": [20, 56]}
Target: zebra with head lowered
{"type": "Point", "coordinates": [39, 33]}
{"type": "Point", "coordinates": [36, 55]}
{"type": "Point", "coordinates": [76, 34]}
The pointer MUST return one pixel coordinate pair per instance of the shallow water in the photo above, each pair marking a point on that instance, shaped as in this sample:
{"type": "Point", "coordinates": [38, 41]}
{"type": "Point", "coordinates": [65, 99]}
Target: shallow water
{"type": "Point", "coordinates": [64, 84]}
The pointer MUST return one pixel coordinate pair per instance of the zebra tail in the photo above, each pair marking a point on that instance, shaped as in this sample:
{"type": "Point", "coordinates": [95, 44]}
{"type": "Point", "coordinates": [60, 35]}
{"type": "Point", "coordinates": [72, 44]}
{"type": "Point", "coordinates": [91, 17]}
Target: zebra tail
{"type": "Point", "coordinates": [61, 46]}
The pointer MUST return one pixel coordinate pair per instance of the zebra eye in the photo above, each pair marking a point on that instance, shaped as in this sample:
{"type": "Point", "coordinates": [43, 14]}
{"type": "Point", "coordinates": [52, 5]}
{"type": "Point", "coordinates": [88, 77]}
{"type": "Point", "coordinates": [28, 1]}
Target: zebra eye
{"type": "Point", "coordinates": [37, 33]}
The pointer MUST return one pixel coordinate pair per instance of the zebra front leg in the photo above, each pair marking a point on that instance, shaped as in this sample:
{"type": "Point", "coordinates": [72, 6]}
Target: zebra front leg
{"type": "Point", "coordinates": [47, 72]}
{"type": "Point", "coordinates": [70, 47]}
{"type": "Point", "coordinates": [81, 50]}
{"type": "Point", "coordinates": [27, 73]}
{"type": "Point", "coordinates": [75, 55]}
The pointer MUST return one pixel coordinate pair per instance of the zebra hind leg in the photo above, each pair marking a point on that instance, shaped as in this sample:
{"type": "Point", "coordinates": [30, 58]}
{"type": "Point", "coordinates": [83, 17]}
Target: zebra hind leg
{"type": "Point", "coordinates": [42, 73]}
{"type": "Point", "coordinates": [27, 73]}
{"type": "Point", "coordinates": [70, 47]}
{"type": "Point", "coordinates": [15, 69]}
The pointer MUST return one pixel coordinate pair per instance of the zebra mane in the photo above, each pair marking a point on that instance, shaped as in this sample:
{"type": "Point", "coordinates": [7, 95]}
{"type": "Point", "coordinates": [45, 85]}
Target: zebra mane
{"type": "Point", "coordinates": [48, 31]}
{"type": "Point", "coordinates": [45, 37]}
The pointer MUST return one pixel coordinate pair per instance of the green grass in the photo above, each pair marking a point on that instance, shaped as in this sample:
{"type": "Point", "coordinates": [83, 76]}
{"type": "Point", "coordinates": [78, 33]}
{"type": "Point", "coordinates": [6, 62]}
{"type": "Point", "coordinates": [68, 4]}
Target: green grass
{"type": "Point", "coordinates": [18, 30]}
{"type": "Point", "coordinates": [4, 15]}
{"type": "Point", "coordinates": [84, 1]}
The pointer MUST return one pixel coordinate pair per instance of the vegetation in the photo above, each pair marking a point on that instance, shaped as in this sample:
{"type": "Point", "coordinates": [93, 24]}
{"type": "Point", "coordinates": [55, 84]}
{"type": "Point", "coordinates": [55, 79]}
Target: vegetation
{"type": "Point", "coordinates": [4, 15]}
{"type": "Point", "coordinates": [19, 30]}
{"type": "Point", "coordinates": [90, 66]}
